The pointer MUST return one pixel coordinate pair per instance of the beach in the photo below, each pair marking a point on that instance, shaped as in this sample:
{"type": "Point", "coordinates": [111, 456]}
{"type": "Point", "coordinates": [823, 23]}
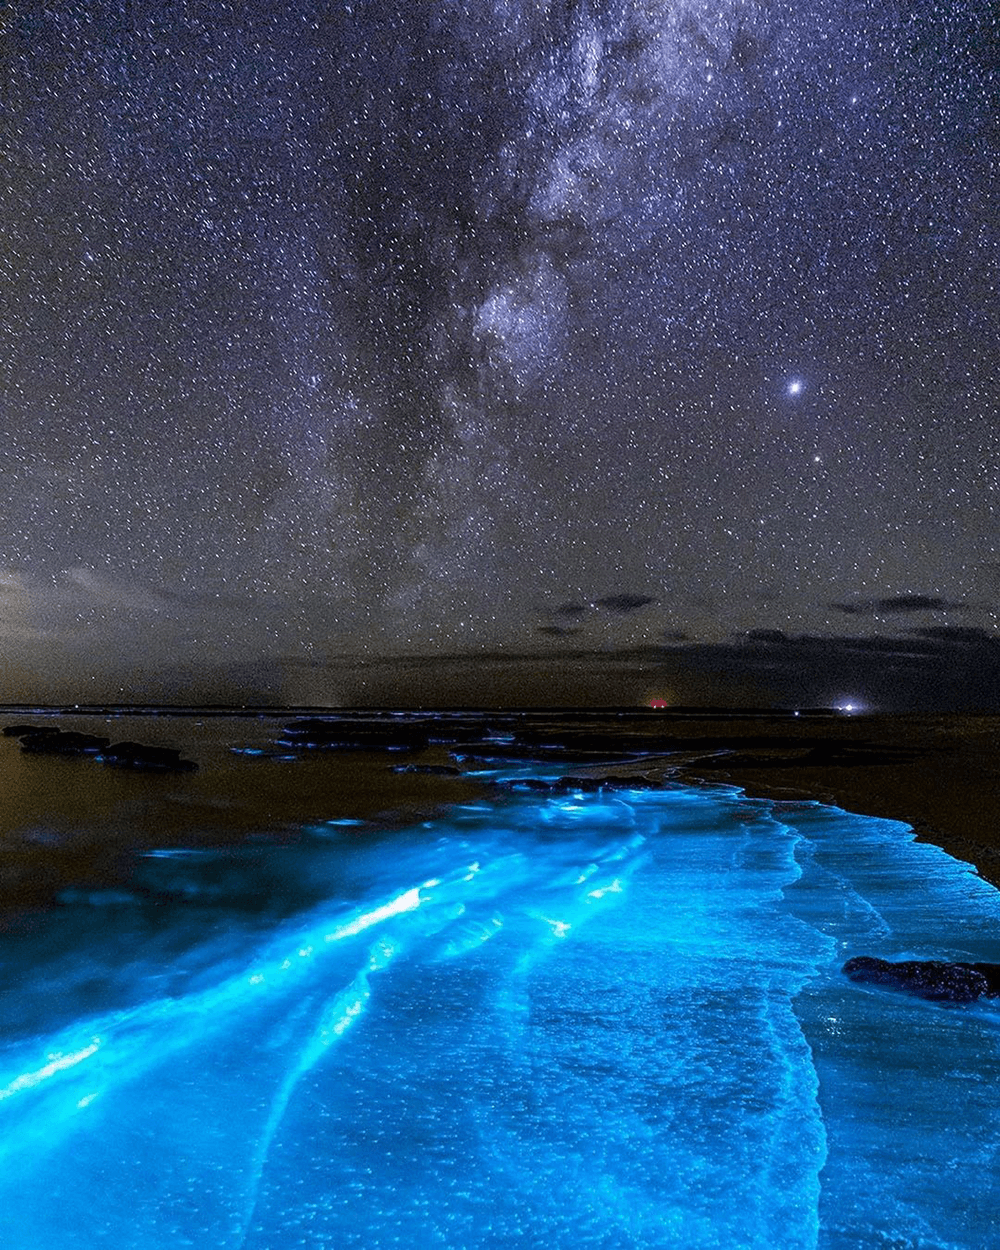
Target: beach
{"type": "Point", "coordinates": [940, 774]}
{"type": "Point", "coordinates": [68, 821]}
{"type": "Point", "coordinates": [492, 978]}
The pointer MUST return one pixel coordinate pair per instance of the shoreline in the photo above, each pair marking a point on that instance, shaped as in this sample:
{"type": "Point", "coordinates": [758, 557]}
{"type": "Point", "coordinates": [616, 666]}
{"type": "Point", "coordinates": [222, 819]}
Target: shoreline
{"type": "Point", "coordinates": [938, 774]}
{"type": "Point", "coordinates": [944, 783]}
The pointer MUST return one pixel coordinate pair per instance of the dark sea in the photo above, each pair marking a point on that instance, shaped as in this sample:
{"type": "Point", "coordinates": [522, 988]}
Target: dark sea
{"type": "Point", "coordinates": [470, 980]}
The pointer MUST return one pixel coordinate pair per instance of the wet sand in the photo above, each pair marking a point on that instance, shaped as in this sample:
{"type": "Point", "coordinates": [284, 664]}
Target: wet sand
{"type": "Point", "coordinates": [939, 774]}
{"type": "Point", "coordinates": [72, 821]}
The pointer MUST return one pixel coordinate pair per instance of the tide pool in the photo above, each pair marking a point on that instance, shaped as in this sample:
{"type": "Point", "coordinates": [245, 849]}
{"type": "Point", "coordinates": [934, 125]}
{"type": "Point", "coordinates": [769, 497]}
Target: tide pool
{"type": "Point", "coordinates": [568, 1020]}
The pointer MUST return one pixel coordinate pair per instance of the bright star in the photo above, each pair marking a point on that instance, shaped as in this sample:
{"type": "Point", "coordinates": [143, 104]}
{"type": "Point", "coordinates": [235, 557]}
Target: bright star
{"type": "Point", "coordinates": [795, 386]}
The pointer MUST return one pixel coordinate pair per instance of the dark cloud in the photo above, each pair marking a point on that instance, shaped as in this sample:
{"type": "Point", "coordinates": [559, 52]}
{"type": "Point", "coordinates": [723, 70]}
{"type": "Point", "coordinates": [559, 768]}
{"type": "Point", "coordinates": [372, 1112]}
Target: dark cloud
{"type": "Point", "coordinates": [918, 603]}
{"type": "Point", "coordinates": [571, 609]}
{"type": "Point", "coordinates": [899, 605]}
{"type": "Point", "coordinates": [624, 603]}
{"type": "Point", "coordinates": [557, 631]}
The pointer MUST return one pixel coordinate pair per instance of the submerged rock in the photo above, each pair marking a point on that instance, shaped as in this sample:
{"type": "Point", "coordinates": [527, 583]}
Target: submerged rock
{"type": "Point", "coordinates": [583, 785]}
{"type": "Point", "coordinates": [593, 785]}
{"type": "Point", "coordinates": [935, 979]}
{"type": "Point", "coordinates": [136, 755]}
{"type": "Point", "coordinates": [526, 784]}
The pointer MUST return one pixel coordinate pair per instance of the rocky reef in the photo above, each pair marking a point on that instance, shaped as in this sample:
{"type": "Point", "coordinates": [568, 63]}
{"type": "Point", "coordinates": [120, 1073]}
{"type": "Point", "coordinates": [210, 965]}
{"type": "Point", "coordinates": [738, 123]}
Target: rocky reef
{"type": "Point", "coordinates": [46, 740]}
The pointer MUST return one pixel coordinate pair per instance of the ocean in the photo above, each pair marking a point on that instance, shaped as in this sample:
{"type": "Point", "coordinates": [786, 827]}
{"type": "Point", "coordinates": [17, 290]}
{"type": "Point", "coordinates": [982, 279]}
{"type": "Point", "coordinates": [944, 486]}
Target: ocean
{"type": "Point", "coordinates": [324, 991]}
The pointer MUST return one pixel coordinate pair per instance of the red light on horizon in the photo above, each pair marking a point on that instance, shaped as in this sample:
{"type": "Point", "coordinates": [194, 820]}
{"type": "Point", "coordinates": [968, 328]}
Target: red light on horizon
{"type": "Point", "coordinates": [658, 703]}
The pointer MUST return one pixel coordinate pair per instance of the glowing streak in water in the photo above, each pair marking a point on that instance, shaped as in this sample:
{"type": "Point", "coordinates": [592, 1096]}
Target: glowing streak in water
{"type": "Point", "coordinates": [614, 888]}
{"type": "Point", "coordinates": [339, 1013]}
{"type": "Point", "coordinates": [58, 1063]}
{"type": "Point", "coordinates": [285, 972]}
{"type": "Point", "coordinates": [128, 1056]}
{"type": "Point", "coordinates": [408, 901]}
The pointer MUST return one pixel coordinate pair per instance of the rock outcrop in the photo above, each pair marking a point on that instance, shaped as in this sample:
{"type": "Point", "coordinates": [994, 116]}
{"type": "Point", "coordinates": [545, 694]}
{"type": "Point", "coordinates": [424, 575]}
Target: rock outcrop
{"type": "Point", "coordinates": [46, 740]}
{"type": "Point", "coordinates": [935, 979]}
{"type": "Point", "coordinates": [137, 755]}
{"type": "Point", "coordinates": [61, 742]}
{"type": "Point", "coordinates": [315, 733]}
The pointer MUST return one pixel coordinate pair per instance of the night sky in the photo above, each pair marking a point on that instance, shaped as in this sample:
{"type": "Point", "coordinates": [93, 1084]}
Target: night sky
{"type": "Point", "coordinates": [499, 351]}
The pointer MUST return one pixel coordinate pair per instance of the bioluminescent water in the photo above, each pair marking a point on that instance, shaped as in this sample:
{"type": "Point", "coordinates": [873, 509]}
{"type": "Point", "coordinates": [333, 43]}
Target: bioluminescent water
{"type": "Point", "coordinates": [561, 1021]}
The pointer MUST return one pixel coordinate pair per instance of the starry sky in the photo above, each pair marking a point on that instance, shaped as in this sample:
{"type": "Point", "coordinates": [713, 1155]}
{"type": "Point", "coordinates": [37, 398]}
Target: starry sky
{"type": "Point", "coordinates": [487, 350]}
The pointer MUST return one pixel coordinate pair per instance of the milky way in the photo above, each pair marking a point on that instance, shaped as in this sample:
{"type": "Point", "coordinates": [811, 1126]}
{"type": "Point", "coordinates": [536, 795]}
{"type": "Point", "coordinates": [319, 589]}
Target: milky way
{"type": "Point", "coordinates": [441, 328]}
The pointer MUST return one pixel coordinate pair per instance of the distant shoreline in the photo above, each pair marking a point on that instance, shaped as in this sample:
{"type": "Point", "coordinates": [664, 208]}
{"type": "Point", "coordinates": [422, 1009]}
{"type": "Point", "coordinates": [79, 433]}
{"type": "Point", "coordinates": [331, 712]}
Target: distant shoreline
{"type": "Point", "coordinates": [280, 710]}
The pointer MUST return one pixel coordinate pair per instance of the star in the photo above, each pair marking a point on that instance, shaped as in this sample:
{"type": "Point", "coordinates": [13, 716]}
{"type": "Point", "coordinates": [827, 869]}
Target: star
{"type": "Point", "coordinates": [365, 335]}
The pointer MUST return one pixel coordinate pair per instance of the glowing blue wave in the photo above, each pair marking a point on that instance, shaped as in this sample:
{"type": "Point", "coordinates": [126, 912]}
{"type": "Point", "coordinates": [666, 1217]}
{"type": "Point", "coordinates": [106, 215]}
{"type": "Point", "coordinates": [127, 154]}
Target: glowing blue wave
{"type": "Point", "coordinates": [580, 1021]}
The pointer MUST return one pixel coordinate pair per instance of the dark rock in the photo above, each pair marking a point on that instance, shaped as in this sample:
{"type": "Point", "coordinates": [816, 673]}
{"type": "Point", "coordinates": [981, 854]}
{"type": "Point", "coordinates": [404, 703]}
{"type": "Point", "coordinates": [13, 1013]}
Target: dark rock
{"type": "Point", "coordinates": [136, 755]}
{"type": "Point", "coordinates": [935, 979]}
{"type": "Point", "coordinates": [512, 752]}
{"type": "Point", "coordinates": [56, 742]}
{"type": "Point", "coordinates": [312, 727]}
{"type": "Point", "coordinates": [992, 974]}
{"type": "Point", "coordinates": [584, 785]}
{"type": "Point", "coordinates": [19, 731]}
{"type": "Point", "coordinates": [457, 733]}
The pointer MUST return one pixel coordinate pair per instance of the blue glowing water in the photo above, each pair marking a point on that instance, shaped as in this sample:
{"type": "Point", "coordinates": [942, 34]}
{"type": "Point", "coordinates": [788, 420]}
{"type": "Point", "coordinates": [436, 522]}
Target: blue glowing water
{"type": "Point", "coordinates": [563, 1022]}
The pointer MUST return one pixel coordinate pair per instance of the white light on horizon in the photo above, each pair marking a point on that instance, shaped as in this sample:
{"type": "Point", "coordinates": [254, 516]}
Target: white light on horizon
{"type": "Point", "coordinates": [850, 705]}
